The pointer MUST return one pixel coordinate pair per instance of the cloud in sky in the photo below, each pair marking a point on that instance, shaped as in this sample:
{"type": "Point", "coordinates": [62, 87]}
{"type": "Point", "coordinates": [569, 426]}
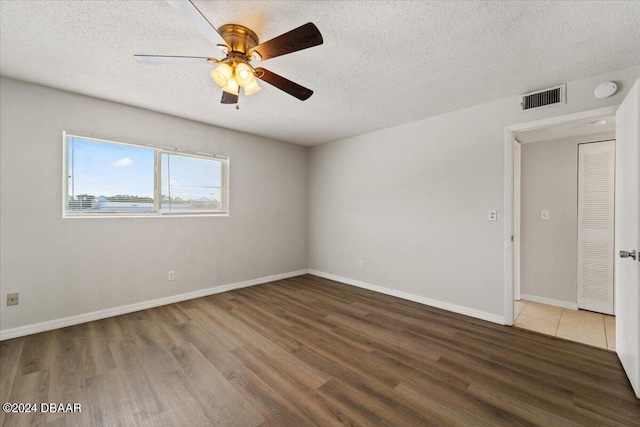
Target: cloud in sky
{"type": "Point", "coordinates": [123, 162]}
{"type": "Point", "coordinates": [173, 182]}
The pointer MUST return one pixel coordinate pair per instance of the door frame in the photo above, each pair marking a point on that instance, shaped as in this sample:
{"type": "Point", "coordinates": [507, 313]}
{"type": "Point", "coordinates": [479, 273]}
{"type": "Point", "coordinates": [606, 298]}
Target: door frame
{"type": "Point", "coordinates": [510, 238]}
{"type": "Point", "coordinates": [517, 216]}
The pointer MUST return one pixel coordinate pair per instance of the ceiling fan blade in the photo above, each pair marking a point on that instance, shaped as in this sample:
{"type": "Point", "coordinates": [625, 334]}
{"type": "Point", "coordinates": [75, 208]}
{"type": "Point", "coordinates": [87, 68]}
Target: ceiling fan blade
{"type": "Point", "coordinates": [164, 59]}
{"type": "Point", "coordinates": [191, 13]}
{"type": "Point", "coordinates": [229, 98]}
{"type": "Point", "coordinates": [292, 88]}
{"type": "Point", "coordinates": [303, 37]}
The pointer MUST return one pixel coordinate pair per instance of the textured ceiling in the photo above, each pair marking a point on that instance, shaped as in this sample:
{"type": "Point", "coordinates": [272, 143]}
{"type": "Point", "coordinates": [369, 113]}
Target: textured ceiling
{"type": "Point", "coordinates": [382, 63]}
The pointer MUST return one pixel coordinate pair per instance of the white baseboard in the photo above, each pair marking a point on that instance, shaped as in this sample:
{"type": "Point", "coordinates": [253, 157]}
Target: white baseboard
{"type": "Point", "coordinates": [124, 309]}
{"type": "Point", "coordinates": [483, 315]}
{"type": "Point", "coordinates": [549, 301]}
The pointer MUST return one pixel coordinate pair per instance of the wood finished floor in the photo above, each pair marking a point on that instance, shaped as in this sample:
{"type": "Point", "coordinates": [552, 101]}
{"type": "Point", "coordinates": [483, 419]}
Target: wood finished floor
{"type": "Point", "coordinates": [309, 351]}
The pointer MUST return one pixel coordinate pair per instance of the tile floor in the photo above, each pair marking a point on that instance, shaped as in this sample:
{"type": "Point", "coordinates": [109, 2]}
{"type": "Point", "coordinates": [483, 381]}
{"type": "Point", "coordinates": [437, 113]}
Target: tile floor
{"type": "Point", "coordinates": [576, 325]}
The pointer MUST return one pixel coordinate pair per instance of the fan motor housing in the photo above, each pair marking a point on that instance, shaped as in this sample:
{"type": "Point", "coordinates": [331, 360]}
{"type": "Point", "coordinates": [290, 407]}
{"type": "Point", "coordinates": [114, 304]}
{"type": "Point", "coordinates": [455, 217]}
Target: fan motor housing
{"type": "Point", "coordinates": [238, 37]}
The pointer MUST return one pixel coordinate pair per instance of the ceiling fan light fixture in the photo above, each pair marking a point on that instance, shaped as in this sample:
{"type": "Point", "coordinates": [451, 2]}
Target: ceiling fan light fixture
{"type": "Point", "coordinates": [241, 45]}
{"type": "Point", "coordinates": [222, 74]}
{"type": "Point", "coordinates": [244, 74]}
{"type": "Point", "coordinates": [252, 88]}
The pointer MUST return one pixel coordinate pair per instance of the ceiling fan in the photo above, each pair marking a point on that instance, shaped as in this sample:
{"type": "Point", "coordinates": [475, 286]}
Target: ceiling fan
{"type": "Point", "coordinates": [241, 46]}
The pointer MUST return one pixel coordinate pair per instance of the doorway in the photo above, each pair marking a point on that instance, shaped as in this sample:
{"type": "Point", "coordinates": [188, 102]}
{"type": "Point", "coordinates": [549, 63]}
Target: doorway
{"type": "Point", "coordinates": [572, 129]}
{"type": "Point", "coordinates": [555, 166]}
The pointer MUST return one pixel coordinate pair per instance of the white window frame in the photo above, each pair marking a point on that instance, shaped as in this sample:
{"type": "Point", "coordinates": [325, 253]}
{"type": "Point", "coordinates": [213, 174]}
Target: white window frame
{"type": "Point", "coordinates": [158, 151]}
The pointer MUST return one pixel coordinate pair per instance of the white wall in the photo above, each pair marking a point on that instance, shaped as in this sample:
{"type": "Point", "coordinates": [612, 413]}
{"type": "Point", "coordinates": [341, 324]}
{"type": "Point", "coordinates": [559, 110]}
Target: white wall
{"type": "Point", "coordinates": [411, 201]}
{"type": "Point", "coordinates": [65, 267]}
{"type": "Point", "coordinates": [549, 249]}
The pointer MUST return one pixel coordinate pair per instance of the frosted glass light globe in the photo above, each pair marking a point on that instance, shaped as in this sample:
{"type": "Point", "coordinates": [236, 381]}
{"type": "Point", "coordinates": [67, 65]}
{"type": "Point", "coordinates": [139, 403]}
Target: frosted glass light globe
{"type": "Point", "coordinates": [244, 74]}
{"type": "Point", "coordinates": [231, 87]}
{"type": "Point", "coordinates": [222, 74]}
{"type": "Point", "coordinates": [252, 88]}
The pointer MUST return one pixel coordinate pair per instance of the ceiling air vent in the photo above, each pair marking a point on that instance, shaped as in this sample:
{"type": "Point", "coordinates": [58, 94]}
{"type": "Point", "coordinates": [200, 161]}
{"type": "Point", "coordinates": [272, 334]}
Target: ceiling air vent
{"type": "Point", "coordinates": [544, 98]}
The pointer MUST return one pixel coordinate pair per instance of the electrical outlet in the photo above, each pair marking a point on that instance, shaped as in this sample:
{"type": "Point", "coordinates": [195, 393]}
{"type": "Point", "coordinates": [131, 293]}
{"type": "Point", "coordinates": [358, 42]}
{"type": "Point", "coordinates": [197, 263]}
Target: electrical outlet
{"type": "Point", "coordinates": [360, 264]}
{"type": "Point", "coordinates": [492, 215]}
{"type": "Point", "coordinates": [12, 299]}
{"type": "Point", "coordinates": [172, 275]}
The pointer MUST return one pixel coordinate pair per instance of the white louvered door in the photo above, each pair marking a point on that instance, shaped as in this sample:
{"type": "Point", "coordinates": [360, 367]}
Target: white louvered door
{"type": "Point", "coordinates": [596, 178]}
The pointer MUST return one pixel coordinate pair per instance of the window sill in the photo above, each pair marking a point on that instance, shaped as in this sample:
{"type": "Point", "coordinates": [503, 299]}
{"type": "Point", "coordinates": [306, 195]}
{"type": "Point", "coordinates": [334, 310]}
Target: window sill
{"type": "Point", "coordinates": [151, 215]}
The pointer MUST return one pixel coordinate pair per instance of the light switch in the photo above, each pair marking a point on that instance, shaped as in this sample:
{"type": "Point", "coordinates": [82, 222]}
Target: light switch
{"type": "Point", "coordinates": [544, 215]}
{"type": "Point", "coordinates": [493, 215]}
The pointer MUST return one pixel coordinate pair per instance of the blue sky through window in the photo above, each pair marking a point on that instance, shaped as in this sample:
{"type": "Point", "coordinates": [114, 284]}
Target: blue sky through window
{"type": "Point", "coordinates": [191, 178]}
{"type": "Point", "coordinates": [107, 169]}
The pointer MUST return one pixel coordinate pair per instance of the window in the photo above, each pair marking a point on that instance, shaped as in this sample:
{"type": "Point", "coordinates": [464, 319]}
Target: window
{"type": "Point", "coordinates": [190, 183]}
{"type": "Point", "coordinates": [104, 178]}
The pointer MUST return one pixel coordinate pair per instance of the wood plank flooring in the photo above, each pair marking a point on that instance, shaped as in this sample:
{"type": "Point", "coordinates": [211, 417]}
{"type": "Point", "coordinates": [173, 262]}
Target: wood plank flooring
{"type": "Point", "coordinates": [309, 351]}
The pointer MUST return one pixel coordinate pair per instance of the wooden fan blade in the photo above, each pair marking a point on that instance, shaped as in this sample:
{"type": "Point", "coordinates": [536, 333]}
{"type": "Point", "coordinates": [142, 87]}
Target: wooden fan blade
{"type": "Point", "coordinates": [303, 37]}
{"type": "Point", "coordinates": [229, 98]}
{"type": "Point", "coordinates": [292, 88]}
{"type": "Point", "coordinates": [191, 13]}
{"type": "Point", "coordinates": [163, 59]}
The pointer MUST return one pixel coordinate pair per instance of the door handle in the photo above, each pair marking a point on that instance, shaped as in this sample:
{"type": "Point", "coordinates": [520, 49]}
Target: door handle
{"type": "Point", "coordinates": [625, 254]}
